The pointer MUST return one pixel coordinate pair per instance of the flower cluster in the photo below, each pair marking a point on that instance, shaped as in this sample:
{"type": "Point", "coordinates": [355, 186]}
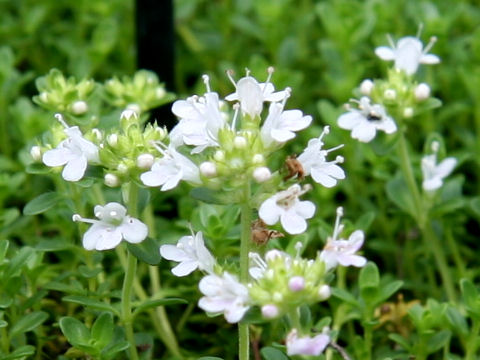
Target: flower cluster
{"type": "Point", "coordinates": [433, 173]}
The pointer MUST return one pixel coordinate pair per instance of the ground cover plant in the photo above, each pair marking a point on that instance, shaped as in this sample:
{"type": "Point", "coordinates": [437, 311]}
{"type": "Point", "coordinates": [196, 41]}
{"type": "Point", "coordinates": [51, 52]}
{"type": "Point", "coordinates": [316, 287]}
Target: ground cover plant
{"type": "Point", "coordinates": [317, 197]}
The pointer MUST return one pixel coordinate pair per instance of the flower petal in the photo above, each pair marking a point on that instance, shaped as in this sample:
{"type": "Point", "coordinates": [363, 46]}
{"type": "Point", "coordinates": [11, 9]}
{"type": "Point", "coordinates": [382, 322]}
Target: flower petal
{"type": "Point", "coordinates": [429, 59]}
{"type": "Point", "coordinates": [75, 168]}
{"type": "Point", "coordinates": [133, 230]}
{"type": "Point", "coordinates": [349, 120]}
{"type": "Point", "coordinates": [185, 268]}
{"type": "Point", "coordinates": [385, 53]}
{"type": "Point", "coordinates": [292, 223]}
{"type": "Point", "coordinates": [364, 132]}
{"type": "Point", "coordinates": [57, 157]}
{"type": "Point", "coordinates": [269, 212]}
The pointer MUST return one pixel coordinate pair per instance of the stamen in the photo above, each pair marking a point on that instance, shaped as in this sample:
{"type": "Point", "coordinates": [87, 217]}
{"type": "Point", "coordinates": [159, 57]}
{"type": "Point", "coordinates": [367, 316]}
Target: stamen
{"type": "Point", "coordinates": [339, 159]}
{"type": "Point", "coordinates": [270, 71]}
{"type": "Point", "coordinates": [257, 260]}
{"type": "Point", "coordinates": [230, 77]}
{"type": "Point", "coordinates": [337, 228]}
{"type": "Point", "coordinates": [78, 218]}
{"type": "Point", "coordinates": [334, 148]}
{"type": "Point", "coordinates": [206, 81]}
{"type": "Point", "coordinates": [158, 145]}
{"type": "Point", "coordinates": [390, 41]}
{"type": "Point", "coordinates": [247, 72]}
{"type": "Point", "coordinates": [325, 131]}
{"type": "Point", "coordinates": [288, 92]}
{"type": "Point", "coordinates": [236, 107]}
{"type": "Point", "coordinates": [298, 248]}
{"type": "Point", "coordinates": [419, 31]}
{"type": "Point", "coordinates": [60, 119]}
{"type": "Point", "coordinates": [430, 44]}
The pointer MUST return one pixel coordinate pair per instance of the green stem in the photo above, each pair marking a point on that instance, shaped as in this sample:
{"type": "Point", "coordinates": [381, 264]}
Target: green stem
{"type": "Point", "coordinates": [127, 305]}
{"type": "Point", "coordinates": [421, 215]}
{"type": "Point", "coordinates": [246, 221]}
{"type": "Point", "coordinates": [368, 335]}
{"type": "Point", "coordinates": [473, 341]}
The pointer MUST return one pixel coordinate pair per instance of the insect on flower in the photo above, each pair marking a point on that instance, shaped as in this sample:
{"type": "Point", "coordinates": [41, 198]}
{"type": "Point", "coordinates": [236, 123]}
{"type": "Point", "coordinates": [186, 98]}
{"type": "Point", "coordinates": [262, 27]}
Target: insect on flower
{"type": "Point", "coordinates": [261, 234]}
{"type": "Point", "coordinates": [294, 168]}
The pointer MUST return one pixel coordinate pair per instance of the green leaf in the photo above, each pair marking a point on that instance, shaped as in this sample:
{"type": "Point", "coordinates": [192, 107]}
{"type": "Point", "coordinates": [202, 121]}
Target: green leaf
{"type": "Point", "coordinates": [158, 302]}
{"type": "Point", "coordinates": [18, 261]}
{"type": "Point", "coordinates": [3, 324]}
{"type": "Point", "coordinates": [102, 330]}
{"type": "Point", "coordinates": [208, 196]}
{"type": "Point", "coordinates": [270, 353]}
{"type": "Point", "coordinates": [28, 322]}
{"type": "Point", "coordinates": [398, 193]}
{"type": "Point", "coordinates": [401, 341]}
{"type": "Point", "coordinates": [146, 251]}
{"type": "Point", "coordinates": [437, 341]}
{"type": "Point", "coordinates": [345, 296]}
{"type": "Point", "coordinates": [475, 205]}
{"type": "Point", "coordinates": [470, 297]}
{"type": "Point", "coordinates": [388, 290]}
{"type": "Point", "coordinates": [75, 331]}
{"type": "Point", "coordinates": [91, 303]}
{"type": "Point", "coordinates": [3, 249]}
{"type": "Point", "coordinates": [209, 358]}
{"type": "Point", "coordinates": [20, 353]}
{"type": "Point", "coordinates": [457, 321]}
{"type": "Point", "coordinates": [369, 276]}
{"type": "Point", "coordinates": [41, 203]}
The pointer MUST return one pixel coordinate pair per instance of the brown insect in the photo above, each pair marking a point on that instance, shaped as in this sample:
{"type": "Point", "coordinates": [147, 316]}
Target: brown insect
{"type": "Point", "coordinates": [260, 233]}
{"type": "Point", "coordinates": [294, 168]}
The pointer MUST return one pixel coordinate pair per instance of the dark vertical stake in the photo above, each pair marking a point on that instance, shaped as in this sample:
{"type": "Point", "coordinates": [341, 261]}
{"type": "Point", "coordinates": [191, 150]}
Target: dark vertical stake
{"type": "Point", "coordinates": [155, 48]}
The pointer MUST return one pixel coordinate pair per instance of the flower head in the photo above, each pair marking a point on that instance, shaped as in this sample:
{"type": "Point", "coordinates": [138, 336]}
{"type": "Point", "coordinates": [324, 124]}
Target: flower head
{"type": "Point", "coordinates": [280, 126]}
{"type": "Point", "coordinates": [434, 174]}
{"type": "Point", "coordinates": [74, 152]}
{"type": "Point", "coordinates": [314, 162]}
{"type": "Point", "coordinates": [408, 53]}
{"type": "Point", "coordinates": [191, 253]}
{"type": "Point", "coordinates": [286, 207]}
{"type": "Point", "coordinates": [306, 345]}
{"type": "Point", "coordinates": [200, 120]}
{"type": "Point", "coordinates": [366, 120]}
{"type": "Point", "coordinates": [343, 251]}
{"type": "Point", "coordinates": [169, 170]}
{"type": "Point", "coordinates": [113, 225]}
{"type": "Point", "coordinates": [224, 294]}
{"type": "Point", "coordinates": [252, 94]}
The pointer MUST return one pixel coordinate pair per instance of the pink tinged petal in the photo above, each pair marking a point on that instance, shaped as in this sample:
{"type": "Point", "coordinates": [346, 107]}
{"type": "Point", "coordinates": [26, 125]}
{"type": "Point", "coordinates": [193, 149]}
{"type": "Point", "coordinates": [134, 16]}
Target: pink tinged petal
{"type": "Point", "coordinates": [385, 53]}
{"type": "Point", "coordinates": [185, 268]}
{"type": "Point", "coordinates": [75, 168]}
{"type": "Point", "coordinates": [429, 59]}
{"type": "Point", "coordinates": [292, 223]}
{"type": "Point", "coordinates": [210, 285]}
{"type": "Point", "coordinates": [351, 260]}
{"type": "Point", "coordinates": [294, 120]}
{"type": "Point", "coordinates": [133, 230]}
{"type": "Point", "coordinates": [445, 167]}
{"type": "Point", "coordinates": [269, 211]}
{"type": "Point", "coordinates": [364, 132]}
{"type": "Point", "coordinates": [57, 157]}
{"type": "Point", "coordinates": [350, 120]}
{"type": "Point", "coordinates": [306, 345]}
{"type": "Point", "coordinates": [172, 252]}
{"type": "Point", "coordinates": [355, 241]}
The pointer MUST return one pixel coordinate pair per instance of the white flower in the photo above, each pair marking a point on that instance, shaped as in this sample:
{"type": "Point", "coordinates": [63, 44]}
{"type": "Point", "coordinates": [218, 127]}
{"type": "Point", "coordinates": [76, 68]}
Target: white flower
{"type": "Point", "coordinates": [408, 53]}
{"type": "Point", "coordinates": [279, 126]}
{"type": "Point", "coordinates": [365, 121]}
{"type": "Point", "coordinates": [306, 345]}
{"type": "Point", "coordinates": [286, 207]}
{"type": "Point", "coordinates": [224, 294]}
{"type": "Point", "coordinates": [252, 94]}
{"type": "Point", "coordinates": [113, 225]}
{"type": "Point", "coordinates": [74, 152]}
{"type": "Point", "coordinates": [314, 162]}
{"type": "Point", "coordinates": [434, 174]}
{"type": "Point", "coordinates": [343, 251]}
{"type": "Point", "coordinates": [191, 253]}
{"type": "Point", "coordinates": [200, 121]}
{"type": "Point", "coordinates": [169, 170]}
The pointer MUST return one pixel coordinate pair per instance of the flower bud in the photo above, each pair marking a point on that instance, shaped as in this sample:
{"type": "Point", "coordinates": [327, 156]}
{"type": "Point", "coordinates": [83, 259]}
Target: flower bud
{"type": "Point", "coordinates": [111, 180]}
{"type": "Point", "coordinates": [219, 156]}
{"type": "Point", "coordinates": [145, 161]}
{"type": "Point", "coordinates": [390, 94]}
{"type": "Point", "coordinates": [366, 87]}
{"type": "Point", "coordinates": [324, 292]}
{"type": "Point", "coordinates": [208, 169]}
{"type": "Point", "coordinates": [135, 108]}
{"type": "Point", "coordinates": [128, 114]}
{"type": "Point", "coordinates": [258, 159]}
{"type": "Point", "coordinates": [422, 92]}
{"type": "Point", "coordinates": [160, 92]}
{"type": "Point", "coordinates": [79, 107]}
{"type": "Point", "coordinates": [122, 168]}
{"type": "Point", "coordinates": [269, 311]}
{"type": "Point", "coordinates": [112, 140]}
{"type": "Point", "coordinates": [277, 297]}
{"type": "Point", "coordinates": [97, 133]}
{"type": "Point", "coordinates": [240, 142]}
{"type": "Point", "coordinates": [262, 174]}
{"type": "Point", "coordinates": [296, 283]}
{"type": "Point", "coordinates": [36, 153]}
{"type": "Point", "coordinates": [408, 112]}
{"type": "Point", "coordinates": [44, 96]}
